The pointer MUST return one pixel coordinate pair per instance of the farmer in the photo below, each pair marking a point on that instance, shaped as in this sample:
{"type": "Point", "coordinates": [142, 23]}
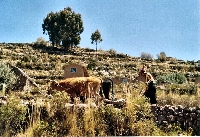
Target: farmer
{"type": "Point", "coordinates": [150, 91]}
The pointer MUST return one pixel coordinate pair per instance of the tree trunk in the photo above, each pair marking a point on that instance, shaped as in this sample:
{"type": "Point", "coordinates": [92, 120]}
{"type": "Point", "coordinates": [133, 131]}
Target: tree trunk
{"type": "Point", "coordinates": [96, 49]}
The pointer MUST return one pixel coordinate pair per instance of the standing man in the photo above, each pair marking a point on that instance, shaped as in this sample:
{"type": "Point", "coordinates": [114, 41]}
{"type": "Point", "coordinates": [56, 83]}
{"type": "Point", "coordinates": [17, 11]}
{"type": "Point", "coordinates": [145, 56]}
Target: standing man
{"type": "Point", "coordinates": [150, 82]}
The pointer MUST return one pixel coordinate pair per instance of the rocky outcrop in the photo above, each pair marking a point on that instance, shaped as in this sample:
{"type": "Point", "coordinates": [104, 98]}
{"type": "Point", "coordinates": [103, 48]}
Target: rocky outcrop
{"type": "Point", "coordinates": [24, 82]}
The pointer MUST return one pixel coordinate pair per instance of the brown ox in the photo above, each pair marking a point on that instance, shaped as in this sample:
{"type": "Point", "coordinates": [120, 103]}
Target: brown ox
{"type": "Point", "coordinates": [78, 86]}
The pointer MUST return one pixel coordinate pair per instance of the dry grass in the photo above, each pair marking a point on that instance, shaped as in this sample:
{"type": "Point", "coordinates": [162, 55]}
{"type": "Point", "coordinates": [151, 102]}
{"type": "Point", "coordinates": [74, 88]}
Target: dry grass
{"type": "Point", "coordinates": [104, 121]}
{"type": "Point", "coordinates": [176, 99]}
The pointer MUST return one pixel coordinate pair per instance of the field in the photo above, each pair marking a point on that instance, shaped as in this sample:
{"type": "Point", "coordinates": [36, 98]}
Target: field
{"type": "Point", "coordinates": [49, 116]}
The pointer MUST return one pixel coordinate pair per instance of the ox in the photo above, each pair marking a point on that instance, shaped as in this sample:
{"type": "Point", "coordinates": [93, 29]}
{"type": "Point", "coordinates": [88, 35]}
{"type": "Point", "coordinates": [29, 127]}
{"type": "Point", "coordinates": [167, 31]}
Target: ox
{"type": "Point", "coordinates": [105, 87]}
{"type": "Point", "coordinates": [78, 87]}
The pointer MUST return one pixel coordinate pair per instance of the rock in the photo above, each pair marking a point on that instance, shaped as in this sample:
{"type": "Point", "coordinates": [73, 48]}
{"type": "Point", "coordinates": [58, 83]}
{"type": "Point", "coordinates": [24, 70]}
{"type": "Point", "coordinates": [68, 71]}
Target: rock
{"type": "Point", "coordinates": [186, 115]}
{"type": "Point", "coordinates": [171, 118]}
{"type": "Point", "coordinates": [171, 110]}
{"type": "Point", "coordinates": [193, 109]}
{"type": "Point", "coordinates": [180, 108]}
{"type": "Point", "coordinates": [164, 112]}
{"type": "Point", "coordinates": [166, 107]}
{"type": "Point", "coordinates": [197, 108]}
{"type": "Point", "coordinates": [198, 123]}
{"type": "Point", "coordinates": [3, 102]}
{"type": "Point", "coordinates": [186, 110]}
{"type": "Point", "coordinates": [117, 103]}
{"type": "Point", "coordinates": [168, 114]}
{"type": "Point", "coordinates": [180, 119]}
{"type": "Point", "coordinates": [161, 118]}
{"type": "Point", "coordinates": [198, 111]}
{"type": "Point", "coordinates": [154, 107]}
{"type": "Point", "coordinates": [69, 105]}
{"type": "Point", "coordinates": [164, 123]}
{"type": "Point", "coordinates": [193, 115]}
{"type": "Point", "coordinates": [198, 115]}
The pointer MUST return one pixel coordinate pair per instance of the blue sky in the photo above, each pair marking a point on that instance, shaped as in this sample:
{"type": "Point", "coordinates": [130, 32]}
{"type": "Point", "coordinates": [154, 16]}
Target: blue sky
{"type": "Point", "coordinates": [127, 26]}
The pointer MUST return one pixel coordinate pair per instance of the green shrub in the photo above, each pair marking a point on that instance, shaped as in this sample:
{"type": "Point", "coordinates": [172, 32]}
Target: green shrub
{"type": "Point", "coordinates": [181, 89]}
{"type": "Point", "coordinates": [146, 56]}
{"type": "Point", "coordinates": [112, 52]}
{"type": "Point", "coordinates": [6, 75]}
{"type": "Point", "coordinates": [172, 78]}
{"type": "Point", "coordinates": [121, 55]}
{"type": "Point", "coordinates": [162, 57]}
{"type": "Point", "coordinates": [40, 42]}
{"type": "Point", "coordinates": [26, 58]}
{"type": "Point", "coordinates": [12, 117]}
{"type": "Point", "coordinates": [92, 64]}
{"type": "Point", "coordinates": [26, 65]}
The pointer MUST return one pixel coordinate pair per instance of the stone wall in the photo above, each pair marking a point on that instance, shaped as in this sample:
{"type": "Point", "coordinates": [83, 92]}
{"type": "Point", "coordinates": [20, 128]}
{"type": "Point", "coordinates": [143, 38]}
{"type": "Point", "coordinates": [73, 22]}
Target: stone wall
{"type": "Point", "coordinates": [184, 116]}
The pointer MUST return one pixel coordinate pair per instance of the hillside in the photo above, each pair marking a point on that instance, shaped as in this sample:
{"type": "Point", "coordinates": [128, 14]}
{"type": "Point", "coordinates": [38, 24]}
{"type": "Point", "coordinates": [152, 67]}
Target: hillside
{"type": "Point", "coordinates": [51, 115]}
{"type": "Point", "coordinates": [43, 63]}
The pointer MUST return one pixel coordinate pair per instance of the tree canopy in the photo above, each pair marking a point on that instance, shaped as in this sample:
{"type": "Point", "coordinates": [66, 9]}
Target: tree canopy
{"type": "Point", "coordinates": [96, 37]}
{"type": "Point", "coordinates": [63, 27]}
{"type": "Point", "coordinates": [162, 56]}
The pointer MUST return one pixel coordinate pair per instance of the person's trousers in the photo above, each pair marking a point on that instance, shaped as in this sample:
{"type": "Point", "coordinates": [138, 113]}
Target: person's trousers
{"type": "Point", "coordinates": [151, 93]}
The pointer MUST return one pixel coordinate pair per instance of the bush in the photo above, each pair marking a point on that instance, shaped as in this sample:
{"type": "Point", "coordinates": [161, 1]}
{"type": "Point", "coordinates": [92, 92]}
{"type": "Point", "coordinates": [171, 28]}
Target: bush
{"type": "Point", "coordinates": [92, 64]}
{"type": "Point", "coordinates": [26, 58]}
{"type": "Point", "coordinates": [172, 78]}
{"type": "Point", "coordinates": [162, 57]}
{"type": "Point", "coordinates": [147, 56]}
{"type": "Point", "coordinates": [6, 75]}
{"type": "Point", "coordinates": [112, 52]}
{"type": "Point", "coordinates": [121, 55]}
{"type": "Point", "coordinates": [26, 65]}
{"type": "Point", "coordinates": [12, 118]}
{"type": "Point", "coordinates": [40, 42]}
{"type": "Point", "coordinates": [173, 60]}
{"type": "Point", "coordinates": [181, 89]}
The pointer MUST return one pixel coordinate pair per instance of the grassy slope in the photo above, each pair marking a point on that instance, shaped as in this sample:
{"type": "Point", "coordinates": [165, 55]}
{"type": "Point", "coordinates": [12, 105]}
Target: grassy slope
{"type": "Point", "coordinates": [43, 63]}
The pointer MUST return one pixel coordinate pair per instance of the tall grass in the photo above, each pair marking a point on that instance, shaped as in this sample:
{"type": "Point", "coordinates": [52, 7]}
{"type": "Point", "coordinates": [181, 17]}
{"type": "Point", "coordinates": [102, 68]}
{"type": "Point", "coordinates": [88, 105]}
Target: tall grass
{"type": "Point", "coordinates": [186, 95]}
{"type": "Point", "coordinates": [135, 119]}
{"type": "Point", "coordinates": [176, 99]}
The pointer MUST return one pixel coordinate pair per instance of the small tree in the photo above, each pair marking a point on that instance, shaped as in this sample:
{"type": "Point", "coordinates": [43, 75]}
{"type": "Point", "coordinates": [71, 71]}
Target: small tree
{"type": "Point", "coordinates": [96, 37]}
{"type": "Point", "coordinates": [162, 56]}
{"type": "Point", "coordinates": [41, 41]}
{"type": "Point", "coordinates": [147, 56]}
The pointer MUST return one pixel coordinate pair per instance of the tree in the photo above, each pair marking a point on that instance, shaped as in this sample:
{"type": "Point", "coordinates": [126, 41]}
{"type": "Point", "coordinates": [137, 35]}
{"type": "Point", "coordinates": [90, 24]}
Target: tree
{"type": "Point", "coordinates": [96, 37]}
{"type": "Point", "coordinates": [51, 26]}
{"type": "Point", "coordinates": [147, 56]}
{"type": "Point", "coordinates": [162, 56]}
{"type": "Point", "coordinates": [40, 41]}
{"type": "Point", "coordinates": [63, 27]}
